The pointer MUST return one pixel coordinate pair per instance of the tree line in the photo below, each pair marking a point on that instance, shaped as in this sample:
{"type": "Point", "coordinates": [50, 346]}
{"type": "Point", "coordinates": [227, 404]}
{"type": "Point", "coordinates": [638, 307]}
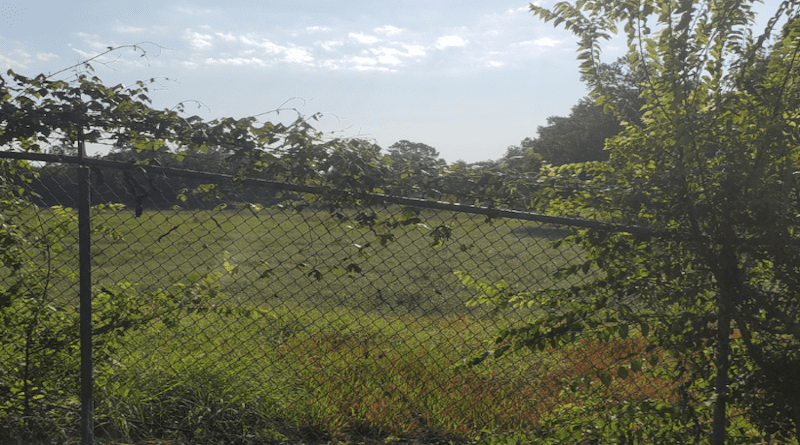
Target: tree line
{"type": "Point", "coordinates": [406, 168]}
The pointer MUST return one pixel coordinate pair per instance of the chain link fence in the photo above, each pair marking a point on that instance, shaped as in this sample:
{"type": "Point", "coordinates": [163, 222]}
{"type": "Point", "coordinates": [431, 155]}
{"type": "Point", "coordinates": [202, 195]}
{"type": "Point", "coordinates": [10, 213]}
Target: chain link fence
{"type": "Point", "coordinates": [256, 314]}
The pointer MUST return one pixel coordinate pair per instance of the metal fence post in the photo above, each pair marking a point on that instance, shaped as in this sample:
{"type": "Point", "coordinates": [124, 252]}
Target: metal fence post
{"type": "Point", "coordinates": [85, 267]}
{"type": "Point", "coordinates": [730, 285]}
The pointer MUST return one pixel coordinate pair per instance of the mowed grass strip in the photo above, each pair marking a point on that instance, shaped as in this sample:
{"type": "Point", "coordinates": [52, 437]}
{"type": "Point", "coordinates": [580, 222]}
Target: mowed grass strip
{"type": "Point", "coordinates": [309, 257]}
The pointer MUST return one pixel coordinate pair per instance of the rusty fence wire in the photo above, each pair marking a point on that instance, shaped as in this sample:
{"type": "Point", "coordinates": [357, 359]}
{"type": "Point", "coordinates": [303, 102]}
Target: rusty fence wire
{"type": "Point", "coordinates": [254, 314]}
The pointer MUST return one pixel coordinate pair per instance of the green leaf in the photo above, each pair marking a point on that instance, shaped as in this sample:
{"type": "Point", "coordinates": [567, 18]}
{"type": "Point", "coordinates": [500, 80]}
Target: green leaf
{"type": "Point", "coordinates": [623, 330]}
{"type": "Point", "coordinates": [266, 274]}
{"type": "Point", "coordinates": [316, 274]}
{"type": "Point", "coordinates": [501, 351]}
{"type": "Point", "coordinates": [353, 268]}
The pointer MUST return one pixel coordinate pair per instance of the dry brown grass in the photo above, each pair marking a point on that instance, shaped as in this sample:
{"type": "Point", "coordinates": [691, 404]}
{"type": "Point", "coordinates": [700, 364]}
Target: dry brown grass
{"type": "Point", "coordinates": [370, 388]}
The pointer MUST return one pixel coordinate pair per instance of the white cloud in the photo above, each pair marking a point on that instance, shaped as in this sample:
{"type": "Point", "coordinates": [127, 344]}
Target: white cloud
{"type": "Point", "coordinates": [391, 56]}
{"type": "Point", "coordinates": [82, 53]}
{"type": "Point", "coordinates": [93, 45]}
{"type": "Point", "coordinates": [357, 63]}
{"type": "Point", "coordinates": [494, 44]}
{"type": "Point", "coordinates": [330, 45]}
{"type": "Point", "coordinates": [248, 41]}
{"type": "Point", "coordinates": [193, 11]}
{"type": "Point", "coordinates": [388, 59]}
{"type": "Point", "coordinates": [546, 41]}
{"type": "Point", "coordinates": [44, 57]}
{"type": "Point", "coordinates": [237, 61]}
{"type": "Point", "coordinates": [226, 37]}
{"type": "Point", "coordinates": [298, 55]}
{"type": "Point", "coordinates": [197, 40]}
{"type": "Point", "coordinates": [330, 65]}
{"type": "Point", "coordinates": [448, 41]}
{"type": "Point", "coordinates": [95, 41]}
{"type": "Point", "coordinates": [364, 60]}
{"type": "Point", "coordinates": [248, 50]}
{"type": "Point", "coordinates": [272, 48]}
{"type": "Point", "coordinates": [415, 50]}
{"type": "Point", "coordinates": [18, 58]}
{"type": "Point", "coordinates": [539, 43]}
{"type": "Point", "coordinates": [128, 29]}
{"type": "Point", "coordinates": [370, 68]}
{"type": "Point", "coordinates": [266, 45]}
{"type": "Point", "coordinates": [389, 30]}
{"type": "Point", "coordinates": [363, 38]}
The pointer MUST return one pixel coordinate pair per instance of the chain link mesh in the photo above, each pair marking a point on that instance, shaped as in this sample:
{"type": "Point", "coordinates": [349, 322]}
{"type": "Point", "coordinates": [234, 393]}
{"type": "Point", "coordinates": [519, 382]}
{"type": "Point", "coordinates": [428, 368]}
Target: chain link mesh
{"type": "Point", "coordinates": [247, 315]}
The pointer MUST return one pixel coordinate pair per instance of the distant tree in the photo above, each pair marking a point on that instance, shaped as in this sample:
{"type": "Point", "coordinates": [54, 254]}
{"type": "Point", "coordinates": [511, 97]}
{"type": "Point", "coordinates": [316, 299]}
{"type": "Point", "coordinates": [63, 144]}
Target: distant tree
{"type": "Point", "coordinates": [580, 137]}
{"type": "Point", "coordinates": [622, 88]}
{"type": "Point", "coordinates": [491, 183]}
{"type": "Point", "coordinates": [406, 154]}
{"type": "Point", "coordinates": [415, 168]}
{"type": "Point", "coordinates": [521, 159]}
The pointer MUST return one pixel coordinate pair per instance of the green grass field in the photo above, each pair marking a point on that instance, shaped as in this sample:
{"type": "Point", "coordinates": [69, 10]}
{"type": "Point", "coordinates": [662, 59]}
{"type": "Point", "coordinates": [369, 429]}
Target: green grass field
{"type": "Point", "coordinates": [310, 258]}
{"type": "Point", "coordinates": [306, 328]}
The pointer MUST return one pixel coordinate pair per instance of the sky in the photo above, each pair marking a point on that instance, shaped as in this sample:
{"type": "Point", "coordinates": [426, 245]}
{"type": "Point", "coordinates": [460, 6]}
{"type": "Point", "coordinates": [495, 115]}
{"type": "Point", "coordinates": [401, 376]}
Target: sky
{"type": "Point", "coordinates": [468, 78]}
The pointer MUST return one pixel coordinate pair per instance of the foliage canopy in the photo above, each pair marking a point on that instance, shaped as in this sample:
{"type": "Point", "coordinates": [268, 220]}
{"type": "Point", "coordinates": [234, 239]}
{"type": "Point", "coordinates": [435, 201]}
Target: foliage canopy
{"type": "Point", "coordinates": [712, 167]}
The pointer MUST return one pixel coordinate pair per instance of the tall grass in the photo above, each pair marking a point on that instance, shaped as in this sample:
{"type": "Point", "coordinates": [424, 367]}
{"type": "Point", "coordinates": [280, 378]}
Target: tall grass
{"type": "Point", "coordinates": [278, 375]}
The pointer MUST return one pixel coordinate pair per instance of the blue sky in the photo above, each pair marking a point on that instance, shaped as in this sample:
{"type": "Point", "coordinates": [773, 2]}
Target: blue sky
{"type": "Point", "coordinates": [468, 78]}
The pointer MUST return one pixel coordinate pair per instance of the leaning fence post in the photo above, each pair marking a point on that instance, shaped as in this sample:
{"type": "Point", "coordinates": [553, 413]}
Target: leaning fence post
{"type": "Point", "coordinates": [85, 270]}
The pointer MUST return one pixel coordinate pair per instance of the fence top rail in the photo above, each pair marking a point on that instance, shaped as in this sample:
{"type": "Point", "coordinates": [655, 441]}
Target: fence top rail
{"type": "Point", "coordinates": [415, 202]}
